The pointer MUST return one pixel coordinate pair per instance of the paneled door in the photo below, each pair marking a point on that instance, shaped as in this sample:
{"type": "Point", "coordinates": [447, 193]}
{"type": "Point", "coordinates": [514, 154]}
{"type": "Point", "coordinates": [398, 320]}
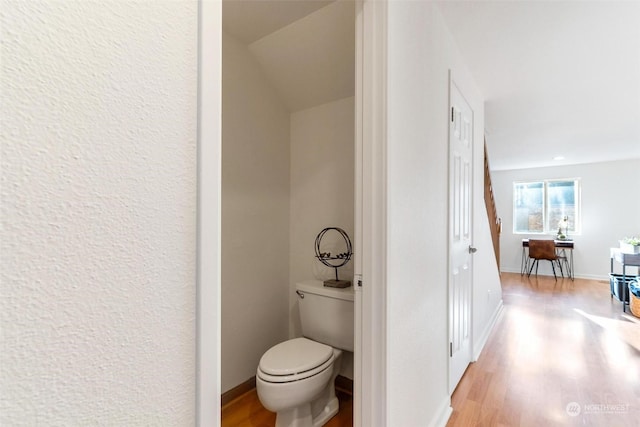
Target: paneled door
{"type": "Point", "coordinates": [460, 249]}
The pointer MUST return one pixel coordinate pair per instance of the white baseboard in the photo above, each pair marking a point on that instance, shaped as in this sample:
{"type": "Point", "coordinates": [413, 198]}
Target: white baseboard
{"type": "Point", "coordinates": [593, 277]}
{"type": "Point", "coordinates": [508, 270]}
{"type": "Point", "coordinates": [442, 415]}
{"type": "Point", "coordinates": [480, 343]}
{"type": "Point", "coordinates": [579, 276]}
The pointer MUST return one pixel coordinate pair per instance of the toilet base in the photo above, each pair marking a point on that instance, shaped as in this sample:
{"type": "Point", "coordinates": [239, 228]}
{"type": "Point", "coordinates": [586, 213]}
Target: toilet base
{"type": "Point", "coordinates": [327, 413]}
{"type": "Point", "coordinates": [319, 411]}
{"type": "Point", "coordinates": [301, 416]}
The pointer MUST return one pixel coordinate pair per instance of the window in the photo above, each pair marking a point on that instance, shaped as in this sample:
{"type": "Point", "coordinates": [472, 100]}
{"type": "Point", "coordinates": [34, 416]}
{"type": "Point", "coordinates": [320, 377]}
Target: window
{"type": "Point", "coordinates": [540, 206]}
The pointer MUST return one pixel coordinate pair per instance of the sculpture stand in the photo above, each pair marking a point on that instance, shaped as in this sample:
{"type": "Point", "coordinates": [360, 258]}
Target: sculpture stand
{"type": "Point", "coordinates": [337, 283]}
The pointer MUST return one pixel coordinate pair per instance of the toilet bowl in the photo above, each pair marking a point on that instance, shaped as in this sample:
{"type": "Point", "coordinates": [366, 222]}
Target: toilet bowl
{"type": "Point", "coordinates": [295, 379]}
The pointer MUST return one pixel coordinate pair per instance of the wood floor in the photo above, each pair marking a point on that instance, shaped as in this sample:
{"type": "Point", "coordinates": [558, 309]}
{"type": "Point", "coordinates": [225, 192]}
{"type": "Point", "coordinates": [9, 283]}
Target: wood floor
{"type": "Point", "coordinates": [562, 354]}
{"type": "Point", "coordinates": [247, 411]}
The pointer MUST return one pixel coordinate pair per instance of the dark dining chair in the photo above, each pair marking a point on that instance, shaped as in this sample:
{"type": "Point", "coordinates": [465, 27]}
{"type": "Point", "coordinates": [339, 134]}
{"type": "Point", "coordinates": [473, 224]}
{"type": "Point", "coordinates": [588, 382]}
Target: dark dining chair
{"type": "Point", "coordinates": [543, 250]}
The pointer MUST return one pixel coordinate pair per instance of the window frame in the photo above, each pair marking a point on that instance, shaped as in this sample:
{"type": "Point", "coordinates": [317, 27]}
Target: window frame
{"type": "Point", "coordinates": [547, 230]}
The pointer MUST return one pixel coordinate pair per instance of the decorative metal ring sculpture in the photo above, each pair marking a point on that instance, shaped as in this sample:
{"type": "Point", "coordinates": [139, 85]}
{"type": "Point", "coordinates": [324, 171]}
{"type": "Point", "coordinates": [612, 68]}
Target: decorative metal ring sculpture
{"type": "Point", "coordinates": [334, 260]}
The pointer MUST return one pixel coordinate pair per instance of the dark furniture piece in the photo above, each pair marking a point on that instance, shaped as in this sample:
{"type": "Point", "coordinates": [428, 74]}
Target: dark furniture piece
{"type": "Point", "coordinates": [619, 283]}
{"type": "Point", "coordinates": [565, 258]}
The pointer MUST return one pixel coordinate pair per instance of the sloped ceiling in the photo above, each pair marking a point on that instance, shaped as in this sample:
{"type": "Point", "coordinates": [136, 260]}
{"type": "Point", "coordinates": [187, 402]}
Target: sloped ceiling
{"type": "Point", "coordinates": [305, 48]}
{"type": "Point", "coordinates": [559, 78]}
{"type": "Point", "coordinates": [250, 20]}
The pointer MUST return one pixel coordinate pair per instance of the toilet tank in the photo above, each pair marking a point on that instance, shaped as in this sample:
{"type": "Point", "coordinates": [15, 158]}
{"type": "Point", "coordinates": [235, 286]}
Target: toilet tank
{"type": "Point", "coordinates": [326, 313]}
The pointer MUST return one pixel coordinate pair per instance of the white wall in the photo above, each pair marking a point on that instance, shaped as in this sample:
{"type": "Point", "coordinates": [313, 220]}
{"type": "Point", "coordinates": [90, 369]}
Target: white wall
{"type": "Point", "coordinates": [487, 289]}
{"type": "Point", "coordinates": [610, 206]}
{"type": "Point", "coordinates": [420, 54]}
{"type": "Point", "coordinates": [99, 125]}
{"type": "Point", "coordinates": [255, 215]}
{"type": "Point", "coordinates": [322, 192]}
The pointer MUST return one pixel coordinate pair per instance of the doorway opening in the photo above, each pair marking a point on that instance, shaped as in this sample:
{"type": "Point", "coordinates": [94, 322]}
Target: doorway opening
{"type": "Point", "coordinates": [288, 156]}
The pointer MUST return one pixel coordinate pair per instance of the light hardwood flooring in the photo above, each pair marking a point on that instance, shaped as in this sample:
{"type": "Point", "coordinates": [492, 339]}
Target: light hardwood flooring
{"type": "Point", "coordinates": [562, 354]}
{"type": "Point", "coordinates": [247, 411]}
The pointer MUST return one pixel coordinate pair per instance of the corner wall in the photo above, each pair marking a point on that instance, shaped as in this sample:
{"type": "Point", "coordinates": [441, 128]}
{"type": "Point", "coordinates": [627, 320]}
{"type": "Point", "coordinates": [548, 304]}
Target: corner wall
{"type": "Point", "coordinates": [322, 194]}
{"type": "Point", "coordinates": [610, 206]}
{"type": "Point", "coordinates": [98, 247]}
{"type": "Point", "coordinates": [322, 159]}
{"type": "Point", "coordinates": [487, 288]}
{"type": "Point", "coordinates": [255, 215]}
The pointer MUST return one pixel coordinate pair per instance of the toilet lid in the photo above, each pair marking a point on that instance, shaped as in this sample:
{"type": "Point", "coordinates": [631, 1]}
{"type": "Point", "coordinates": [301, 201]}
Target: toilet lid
{"type": "Point", "coordinates": [294, 356]}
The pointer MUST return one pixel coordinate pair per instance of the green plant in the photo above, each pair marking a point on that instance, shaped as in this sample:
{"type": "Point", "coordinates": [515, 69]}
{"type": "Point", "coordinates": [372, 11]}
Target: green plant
{"type": "Point", "coordinates": [634, 241]}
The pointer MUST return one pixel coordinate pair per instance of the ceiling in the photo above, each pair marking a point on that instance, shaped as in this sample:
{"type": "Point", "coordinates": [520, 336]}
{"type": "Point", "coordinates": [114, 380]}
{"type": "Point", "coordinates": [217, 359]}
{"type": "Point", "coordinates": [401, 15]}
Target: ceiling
{"type": "Point", "coordinates": [306, 48]}
{"type": "Point", "coordinates": [250, 20]}
{"type": "Point", "coordinates": [560, 78]}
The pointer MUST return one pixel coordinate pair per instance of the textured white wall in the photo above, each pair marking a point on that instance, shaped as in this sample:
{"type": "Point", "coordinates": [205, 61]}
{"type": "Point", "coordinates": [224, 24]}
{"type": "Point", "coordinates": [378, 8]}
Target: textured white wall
{"type": "Point", "coordinates": [255, 215]}
{"type": "Point", "coordinates": [610, 206]}
{"type": "Point", "coordinates": [98, 213]}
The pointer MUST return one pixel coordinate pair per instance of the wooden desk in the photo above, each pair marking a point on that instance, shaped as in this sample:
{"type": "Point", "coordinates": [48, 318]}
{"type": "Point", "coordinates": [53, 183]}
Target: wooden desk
{"type": "Point", "coordinates": [561, 249]}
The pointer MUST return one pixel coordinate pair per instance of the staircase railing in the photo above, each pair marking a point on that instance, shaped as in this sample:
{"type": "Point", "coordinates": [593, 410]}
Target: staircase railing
{"type": "Point", "coordinates": [495, 223]}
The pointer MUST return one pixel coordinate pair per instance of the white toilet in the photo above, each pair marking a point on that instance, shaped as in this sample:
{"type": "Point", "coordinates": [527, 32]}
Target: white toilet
{"type": "Point", "coordinates": [296, 378]}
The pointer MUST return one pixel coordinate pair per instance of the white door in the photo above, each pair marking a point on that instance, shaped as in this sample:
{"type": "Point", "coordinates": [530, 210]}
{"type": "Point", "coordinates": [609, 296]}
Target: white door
{"type": "Point", "coordinates": [460, 249]}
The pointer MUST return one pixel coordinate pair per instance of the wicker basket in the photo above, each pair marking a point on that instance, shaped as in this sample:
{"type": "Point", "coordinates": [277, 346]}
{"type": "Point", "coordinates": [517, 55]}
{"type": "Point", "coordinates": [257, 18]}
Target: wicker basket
{"type": "Point", "coordinates": [634, 300]}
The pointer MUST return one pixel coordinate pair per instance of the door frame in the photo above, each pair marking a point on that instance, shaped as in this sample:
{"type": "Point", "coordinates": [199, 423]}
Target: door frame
{"type": "Point", "coordinates": [370, 391]}
{"type": "Point", "coordinates": [370, 361]}
{"type": "Point", "coordinates": [209, 183]}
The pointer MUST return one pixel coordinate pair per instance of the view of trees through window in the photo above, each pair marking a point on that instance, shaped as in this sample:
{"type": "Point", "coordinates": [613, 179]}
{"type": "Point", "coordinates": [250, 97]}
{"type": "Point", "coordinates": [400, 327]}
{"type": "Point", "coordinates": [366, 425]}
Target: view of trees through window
{"type": "Point", "coordinates": [540, 206]}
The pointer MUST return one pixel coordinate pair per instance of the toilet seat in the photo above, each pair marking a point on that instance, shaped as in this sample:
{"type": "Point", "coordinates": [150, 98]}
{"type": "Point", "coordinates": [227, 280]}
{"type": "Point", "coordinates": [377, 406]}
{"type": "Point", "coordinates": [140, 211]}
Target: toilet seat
{"type": "Point", "coordinates": [294, 360]}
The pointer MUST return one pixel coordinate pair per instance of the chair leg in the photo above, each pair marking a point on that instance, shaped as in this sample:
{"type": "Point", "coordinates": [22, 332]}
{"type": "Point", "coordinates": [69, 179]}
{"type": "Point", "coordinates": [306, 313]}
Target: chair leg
{"type": "Point", "coordinates": [559, 261]}
{"type": "Point", "coordinates": [531, 269]}
{"type": "Point", "coordinates": [553, 267]}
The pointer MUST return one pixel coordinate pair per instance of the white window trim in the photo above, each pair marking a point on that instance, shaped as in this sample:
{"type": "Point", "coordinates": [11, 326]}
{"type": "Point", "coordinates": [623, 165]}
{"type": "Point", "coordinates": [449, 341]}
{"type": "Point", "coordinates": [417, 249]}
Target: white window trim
{"type": "Point", "coordinates": [578, 201]}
